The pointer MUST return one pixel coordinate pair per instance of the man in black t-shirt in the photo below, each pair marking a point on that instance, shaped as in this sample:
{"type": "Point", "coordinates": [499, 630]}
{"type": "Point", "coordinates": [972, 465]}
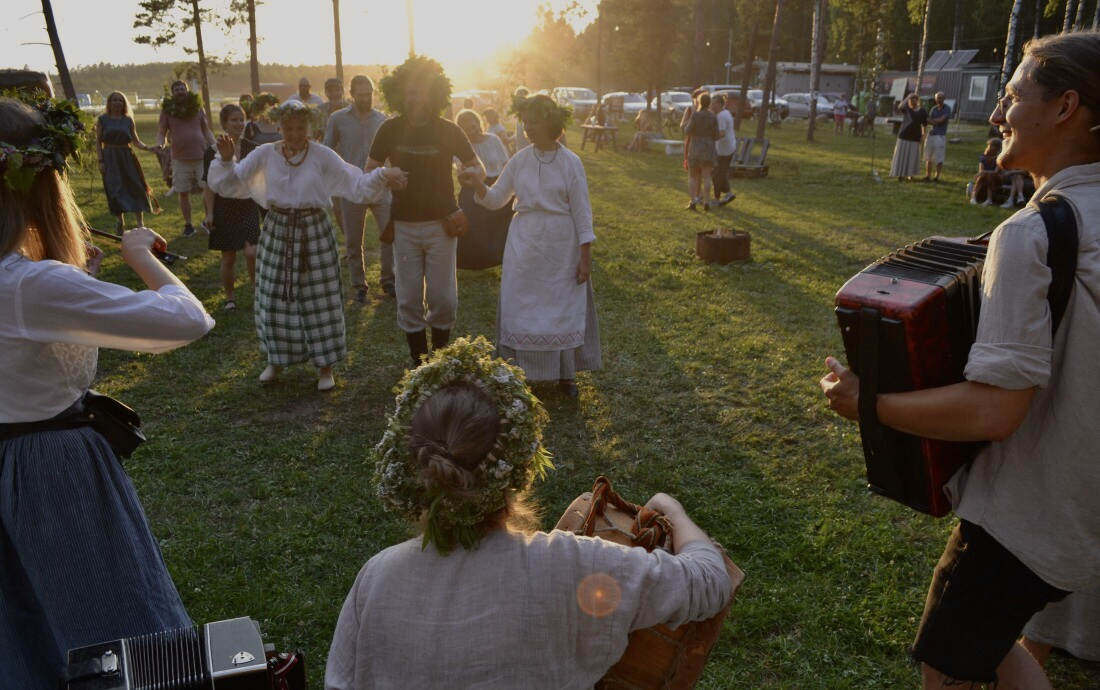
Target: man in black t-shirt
{"type": "Point", "coordinates": [424, 214]}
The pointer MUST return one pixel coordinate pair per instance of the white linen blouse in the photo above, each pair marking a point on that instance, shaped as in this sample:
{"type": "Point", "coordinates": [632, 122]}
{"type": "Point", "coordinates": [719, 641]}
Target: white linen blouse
{"type": "Point", "coordinates": [266, 177]}
{"type": "Point", "coordinates": [53, 319]}
{"type": "Point", "coordinates": [492, 153]}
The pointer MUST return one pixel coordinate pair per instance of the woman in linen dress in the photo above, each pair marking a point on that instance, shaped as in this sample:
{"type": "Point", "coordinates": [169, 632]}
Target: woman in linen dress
{"type": "Point", "coordinates": [78, 563]}
{"type": "Point", "coordinates": [547, 320]}
{"type": "Point", "coordinates": [702, 152]}
{"type": "Point", "coordinates": [123, 179]}
{"type": "Point", "coordinates": [483, 244]}
{"type": "Point", "coordinates": [299, 306]}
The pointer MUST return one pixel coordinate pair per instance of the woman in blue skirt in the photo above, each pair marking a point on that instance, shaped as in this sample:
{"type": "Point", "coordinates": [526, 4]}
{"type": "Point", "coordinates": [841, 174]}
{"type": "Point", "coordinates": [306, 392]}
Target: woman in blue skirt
{"type": "Point", "coordinates": [78, 563]}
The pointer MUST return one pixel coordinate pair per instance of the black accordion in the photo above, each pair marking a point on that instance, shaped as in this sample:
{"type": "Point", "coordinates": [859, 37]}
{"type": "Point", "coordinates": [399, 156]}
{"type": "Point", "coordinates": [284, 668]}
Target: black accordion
{"type": "Point", "coordinates": [908, 321]}
{"type": "Point", "coordinates": [227, 655]}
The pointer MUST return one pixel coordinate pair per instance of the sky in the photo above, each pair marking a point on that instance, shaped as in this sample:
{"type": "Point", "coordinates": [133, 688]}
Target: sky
{"type": "Point", "coordinates": [455, 32]}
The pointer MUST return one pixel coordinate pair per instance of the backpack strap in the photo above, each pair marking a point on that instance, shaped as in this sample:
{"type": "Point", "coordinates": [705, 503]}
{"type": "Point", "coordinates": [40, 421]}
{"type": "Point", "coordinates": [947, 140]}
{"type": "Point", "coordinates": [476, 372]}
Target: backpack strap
{"type": "Point", "coordinates": [1062, 243]}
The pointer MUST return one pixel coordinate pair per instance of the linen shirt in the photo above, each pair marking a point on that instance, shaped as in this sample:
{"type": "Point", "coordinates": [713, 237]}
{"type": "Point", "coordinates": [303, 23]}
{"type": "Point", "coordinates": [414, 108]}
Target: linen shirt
{"type": "Point", "coordinates": [189, 137]}
{"type": "Point", "coordinates": [350, 136]}
{"type": "Point", "coordinates": [314, 99]}
{"type": "Point", "coordinates": [492, 153]}
{"type": "Point", "coordinates": [53, 319]}
{"type": "Point", "coordinates": [508, 614]}
{"type": "Point", "coordinates": [1038, 491]}
{"type": "Point", "coordinates": [726, 143]}
{"type": "Point", "coordinates": [265, 176]}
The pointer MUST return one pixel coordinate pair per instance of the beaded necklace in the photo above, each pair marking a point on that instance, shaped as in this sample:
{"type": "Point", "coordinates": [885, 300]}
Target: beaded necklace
{"type": "Point", "coordinates": [287, 155]}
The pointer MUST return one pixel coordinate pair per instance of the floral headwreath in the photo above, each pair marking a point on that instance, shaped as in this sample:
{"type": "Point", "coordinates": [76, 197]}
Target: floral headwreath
{"type": "Point", "coordinates": [61, 135]}
{"type": "Point", "coordinates": [543, 107]}
{"type": "Point", "coordinates": [297, 109]}
{"type": "Point", "coordinates": [518, 454]}
{"type": "Point", "coordinates": [185, 110]}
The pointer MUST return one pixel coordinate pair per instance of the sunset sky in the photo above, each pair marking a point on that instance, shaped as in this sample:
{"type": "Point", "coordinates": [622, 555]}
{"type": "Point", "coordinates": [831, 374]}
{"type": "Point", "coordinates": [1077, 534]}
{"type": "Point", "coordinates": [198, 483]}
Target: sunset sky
{"type": "Point", "coordinates": [292, 32]}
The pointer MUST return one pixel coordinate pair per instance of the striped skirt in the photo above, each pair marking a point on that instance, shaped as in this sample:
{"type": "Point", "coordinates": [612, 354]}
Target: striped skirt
{"type": "Point", "coordinates": [556, 365]}
{"type": "Point", "coordinates": [906, 161]}
{"type": "Point", "coordinates": [78, 564]}
{"type": "Point", "coordinates": [299, 305]}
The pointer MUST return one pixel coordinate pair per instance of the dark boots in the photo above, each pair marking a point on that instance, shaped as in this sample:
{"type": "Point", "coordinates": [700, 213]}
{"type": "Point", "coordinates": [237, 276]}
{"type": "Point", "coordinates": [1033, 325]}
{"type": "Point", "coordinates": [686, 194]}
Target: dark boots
{"type": "Point", "coordinates": [440, 338]}
{"type": "Point", "coordinates": [418, 346]}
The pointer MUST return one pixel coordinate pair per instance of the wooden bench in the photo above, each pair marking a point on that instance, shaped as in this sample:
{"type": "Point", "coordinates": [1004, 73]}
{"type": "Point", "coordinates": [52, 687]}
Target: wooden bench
{"type": "Point", "coordinates": [599, 134]}
{"type": "Point", "coordinates": [672, 146]}
{"type": "Point", "coordinates": [747, 162]}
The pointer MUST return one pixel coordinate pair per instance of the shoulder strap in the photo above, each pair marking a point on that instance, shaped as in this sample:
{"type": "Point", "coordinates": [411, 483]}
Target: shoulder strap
{"type": "Point", "coordinates": [1061, 226]}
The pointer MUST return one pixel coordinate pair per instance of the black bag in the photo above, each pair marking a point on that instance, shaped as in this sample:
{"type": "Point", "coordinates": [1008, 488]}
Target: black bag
{"type": "Point", "coordinates": [115, 421]}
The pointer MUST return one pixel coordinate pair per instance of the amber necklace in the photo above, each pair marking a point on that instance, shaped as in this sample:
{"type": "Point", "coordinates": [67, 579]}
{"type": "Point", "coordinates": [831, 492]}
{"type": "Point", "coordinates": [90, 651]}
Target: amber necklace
{"type": "Point", "coordinates": [538, 156]}
{"type": "Point", "coordinates": [288, 154]}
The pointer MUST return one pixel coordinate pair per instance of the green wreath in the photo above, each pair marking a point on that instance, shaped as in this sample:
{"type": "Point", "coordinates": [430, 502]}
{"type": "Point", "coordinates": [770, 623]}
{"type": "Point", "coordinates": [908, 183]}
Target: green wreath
{"type": "Point", "coordinates": [185, 110]}
{"type": "Point", "coordinates": [61, 135]}
{"type": "Point", "coordinates": [520, 459]}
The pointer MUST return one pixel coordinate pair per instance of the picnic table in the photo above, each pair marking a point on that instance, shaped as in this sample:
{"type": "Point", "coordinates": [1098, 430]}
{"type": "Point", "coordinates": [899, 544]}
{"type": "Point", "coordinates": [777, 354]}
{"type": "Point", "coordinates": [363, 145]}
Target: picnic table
{"type": "Point", "coordinates": [599, 134]}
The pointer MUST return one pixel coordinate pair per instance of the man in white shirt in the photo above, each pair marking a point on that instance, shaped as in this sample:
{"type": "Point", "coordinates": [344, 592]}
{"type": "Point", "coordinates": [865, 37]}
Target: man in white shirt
{"type": "Point", "coordinates": [350, 132]}
{"type": "Point", "coordinates": [304, 96]}
{"type": "Point", "coordinates": [726, 144]}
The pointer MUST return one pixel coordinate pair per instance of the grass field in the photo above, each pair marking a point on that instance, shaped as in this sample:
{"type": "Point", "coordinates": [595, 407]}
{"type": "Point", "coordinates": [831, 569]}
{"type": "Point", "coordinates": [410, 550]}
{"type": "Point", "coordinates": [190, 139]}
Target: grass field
{"type": "Point", "coordinates": [261, 495]}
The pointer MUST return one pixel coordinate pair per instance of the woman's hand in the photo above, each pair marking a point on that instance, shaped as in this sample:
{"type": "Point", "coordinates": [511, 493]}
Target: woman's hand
{"type": "Point", "coordinates": [225, 147]}
{"type": "Point", "coordinates": [665, 505]}
{"type": "Point", "coordinates": [584, 266]}
{"type": "Point", "coordinates": [396, 178]}
{"type": "Point", "coordinates": [140, 242]}
{"type": "Point", "coordinates": [841, 387]}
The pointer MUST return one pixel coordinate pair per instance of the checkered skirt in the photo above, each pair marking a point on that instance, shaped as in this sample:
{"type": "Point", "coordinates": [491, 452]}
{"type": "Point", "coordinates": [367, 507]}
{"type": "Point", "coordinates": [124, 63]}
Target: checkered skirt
{"type": "Point", "coordinates": [299, 306]}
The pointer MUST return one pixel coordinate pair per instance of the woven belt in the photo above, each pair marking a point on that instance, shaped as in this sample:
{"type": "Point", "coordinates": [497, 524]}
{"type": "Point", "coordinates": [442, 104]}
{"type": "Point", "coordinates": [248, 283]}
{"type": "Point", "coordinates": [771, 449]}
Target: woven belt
{"type": "Point", "coordinates": [295, 215]}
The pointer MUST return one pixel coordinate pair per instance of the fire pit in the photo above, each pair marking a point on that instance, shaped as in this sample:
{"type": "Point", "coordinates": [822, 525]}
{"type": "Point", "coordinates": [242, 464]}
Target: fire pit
{"type": "Point", "coordinates": [722, 246]}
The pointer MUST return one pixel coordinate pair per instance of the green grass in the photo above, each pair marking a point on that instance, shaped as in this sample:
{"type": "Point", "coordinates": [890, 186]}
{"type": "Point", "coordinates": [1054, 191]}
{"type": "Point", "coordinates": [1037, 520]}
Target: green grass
{"type": "Point", "coordinates": [261, 496]}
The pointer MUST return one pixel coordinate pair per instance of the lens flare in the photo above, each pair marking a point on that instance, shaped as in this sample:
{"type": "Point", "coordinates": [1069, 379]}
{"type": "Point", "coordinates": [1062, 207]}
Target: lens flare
{"type": "Point", "coordinates": [599, 595]}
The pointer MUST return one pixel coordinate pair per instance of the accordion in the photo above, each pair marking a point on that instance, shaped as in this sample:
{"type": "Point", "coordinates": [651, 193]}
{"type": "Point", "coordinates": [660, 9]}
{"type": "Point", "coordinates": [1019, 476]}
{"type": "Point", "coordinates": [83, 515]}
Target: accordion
{"type": "Point", "coordinates": [908, 321]}
{"type": "Point", "coordinates": [226, 655]}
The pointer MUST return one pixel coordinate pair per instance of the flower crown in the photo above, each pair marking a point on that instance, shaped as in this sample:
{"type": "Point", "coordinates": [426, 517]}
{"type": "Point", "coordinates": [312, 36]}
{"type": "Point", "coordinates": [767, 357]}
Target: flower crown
{"type": "Point", "coordinates": [61, 134]}
{"type": "Point", "coordinates": [543, 107]}
{"type": "Point", "coordinates": [297, 109]}
{"type": "Point", "coordinates": [516, 459]}
{"type": "Point", "coordinates": [185, 110]}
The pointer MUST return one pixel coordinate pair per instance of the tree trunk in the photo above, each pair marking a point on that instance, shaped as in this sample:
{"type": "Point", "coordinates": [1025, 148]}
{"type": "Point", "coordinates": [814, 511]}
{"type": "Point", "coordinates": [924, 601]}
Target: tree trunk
{"type": "Point", "coordinates": [599, 56]}
{"type": "Point", "coordinates": [1096, 17]}
{"type": "Point", "coordinates": [58, 53]}
{"type": "Point", "coordinates": [699, 41]}
{"type": "Point", "coordinates": [253, 58]}
{"type": "Point", "coordinates": [815, 66]}
{"type": "Point", "coordinates": [746, 73]}
{"type": "Point", "coordinates": [412, 35]}
{"type": "Point", "coordinates": [1010, 46]}
{"type": "Point", "coordinates": [769, 80]}
{"type": "Point", "coordinates": [204, 84]}
{"type": "Point", "coordinates": [923, 47]}
{"type": "Point", "coordinates": [1079, 22]}
{"type": "Point", "coordinates": [336, 32]}
{"type": "Point", "coordinates": [1067, 23]}
{"type": "Point", "coordinates": [1038, 18]}
{"type": "Point", "coordinates": [958, 26]}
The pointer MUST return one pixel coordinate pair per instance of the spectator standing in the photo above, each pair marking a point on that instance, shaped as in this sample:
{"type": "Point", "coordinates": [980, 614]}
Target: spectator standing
{"type": "Point", "coordinates": [123, 179]}
{"type": "Point", "coordinates": [304, 96]}
{"type": "Point", "coordinates": [906, 161]}
{"type": "Point", "coordinates": [492, 117]}
{"type": "Point", "coordinates": [726, 146]}
{"type": "Point", "coordinates": [702, 153]}
{"type": "Point", "coordinates": [183, 125]}
{"type": "Point", "coordinates": [350, 133]}
{"type": "Point", "coordinates": [483, 245]}
{"type": "Point", "coordinates": [425, 216]}
{"type": "Point", "coordinates": [840, 114]}
{"type": "Point", "coordinates": [935, 144]}
{"type": "Point", "coordinates": [521, 141]}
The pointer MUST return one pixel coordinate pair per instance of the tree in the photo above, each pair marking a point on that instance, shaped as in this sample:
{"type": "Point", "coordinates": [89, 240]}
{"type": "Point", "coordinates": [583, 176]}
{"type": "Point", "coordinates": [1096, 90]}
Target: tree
{"type": "Point", "coordinates": [336, 31]}
{"type": "Point", "coordinates": [58, 53]}
{"type": "Point", "coordinates": [1010, 45]}
{"type": "Point", "coordinates": [923, 46]}
{"type": "Point", "coordinates": [815, 64]}
{"type": "Point", "coordinates": [246, 9]}
{"type": "Point", "coordinates": [164, 19]}
{"type": "Point", "coordinates": [769, 80]}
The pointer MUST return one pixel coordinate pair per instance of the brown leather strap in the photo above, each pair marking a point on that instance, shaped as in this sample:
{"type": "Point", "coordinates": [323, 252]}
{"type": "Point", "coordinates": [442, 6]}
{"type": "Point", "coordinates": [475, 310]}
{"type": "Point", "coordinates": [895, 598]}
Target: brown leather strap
{"type": "Point", "coordinates": [650, 529]}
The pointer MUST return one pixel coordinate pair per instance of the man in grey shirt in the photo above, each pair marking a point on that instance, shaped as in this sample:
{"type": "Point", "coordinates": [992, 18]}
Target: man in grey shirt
{"type": "Point", "coordinates": [350, 132]}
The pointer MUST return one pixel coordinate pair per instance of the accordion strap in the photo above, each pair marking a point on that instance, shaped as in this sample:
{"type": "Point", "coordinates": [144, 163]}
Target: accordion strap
{"type": "Point", "coordinates": [649, 528]}
{"type": "Point", "coordinates": [1062, 243]}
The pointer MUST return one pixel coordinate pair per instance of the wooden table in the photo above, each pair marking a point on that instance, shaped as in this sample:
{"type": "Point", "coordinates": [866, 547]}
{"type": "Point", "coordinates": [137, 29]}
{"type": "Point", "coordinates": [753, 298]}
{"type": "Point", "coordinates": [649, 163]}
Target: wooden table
{"type": "Point", "coordinates": [598, 134]}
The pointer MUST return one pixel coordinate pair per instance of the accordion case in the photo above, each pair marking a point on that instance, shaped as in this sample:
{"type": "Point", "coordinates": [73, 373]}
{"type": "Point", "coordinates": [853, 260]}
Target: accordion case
{"type": "Point", "coordinates": [908, 321]}
{"type": "Point", "coordinates": [227, 655]}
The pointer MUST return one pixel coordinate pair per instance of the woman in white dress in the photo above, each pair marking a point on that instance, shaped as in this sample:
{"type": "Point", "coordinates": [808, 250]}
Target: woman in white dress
{"type": "Point", "coordinates": [547, 319]}
{"type": "Point", "coordinates": [483, 244]}
{"type": "Point", "coordinates": [299, 306]}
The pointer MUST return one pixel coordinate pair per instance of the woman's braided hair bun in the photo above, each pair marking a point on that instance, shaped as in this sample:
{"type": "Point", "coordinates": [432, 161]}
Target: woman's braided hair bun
{"type": "Point", "coordinates": [452, 433]}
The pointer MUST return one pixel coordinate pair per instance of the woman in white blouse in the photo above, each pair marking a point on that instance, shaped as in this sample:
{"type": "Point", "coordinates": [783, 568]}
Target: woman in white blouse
{"type": "Point", "coordinates": [298, 307]}
{"type": "Point", "coordinates": [547, 320]}
{"type": "Point", "coordinates": [78, 564]}
{"type": "Point", "coordinates": [483, 244]}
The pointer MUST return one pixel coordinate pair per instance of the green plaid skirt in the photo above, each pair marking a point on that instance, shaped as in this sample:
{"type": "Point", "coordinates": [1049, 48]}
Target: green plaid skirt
{"type": "Point", "coordinates": [299, 306]}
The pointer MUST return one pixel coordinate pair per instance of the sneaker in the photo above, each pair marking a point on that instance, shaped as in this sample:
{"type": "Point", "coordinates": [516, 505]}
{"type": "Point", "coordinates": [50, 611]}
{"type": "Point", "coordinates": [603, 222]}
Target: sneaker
{"type": "Point", "coordinates": [1009, 204]}
{"type": "Point", "coordinates": [690, 206]}
{"type": "Point", "coordinates": [270, 373]}
{"type": "Point", "coordinates": [188, 230]}
{"type": "Point", "coordinates": [727, 198]}
{"type": "Point", "coordinates": [973, 201]}
{"type": "Point", "coordinates": [204, 227]}
{"type": "Point", "coordinates": [987, 202]}
{"type": "Point", "coordinates": [326, 382]}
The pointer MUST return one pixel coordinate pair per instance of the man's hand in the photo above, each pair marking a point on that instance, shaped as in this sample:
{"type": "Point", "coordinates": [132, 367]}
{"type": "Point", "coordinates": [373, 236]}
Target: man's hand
{"type": "Point", "coordinates": [841, 387]}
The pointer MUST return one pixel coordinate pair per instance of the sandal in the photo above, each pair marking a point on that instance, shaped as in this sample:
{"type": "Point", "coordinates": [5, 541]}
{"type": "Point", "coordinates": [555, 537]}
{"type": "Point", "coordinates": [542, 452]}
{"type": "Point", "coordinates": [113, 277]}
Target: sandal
{"type": "Point", "coordinates": [230, 305]}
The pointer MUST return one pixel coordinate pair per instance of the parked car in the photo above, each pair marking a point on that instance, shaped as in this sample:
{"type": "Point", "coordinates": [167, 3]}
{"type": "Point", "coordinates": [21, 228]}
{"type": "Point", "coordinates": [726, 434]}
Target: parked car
{"type": "Point", "coordinates": [799, 106]}
{"type": "Point", "coordinates": [633, 103]}
{"type": "Point", "coordinates": [732, 92]}
{"type": "Point", "coordinates": [582, 100]}
{"type": "Point", "coordinates": [482, 99]}
{"type": "Point", "coordinates": [674, 101]}
{"type": "Point", "coordinates": [757, 95]}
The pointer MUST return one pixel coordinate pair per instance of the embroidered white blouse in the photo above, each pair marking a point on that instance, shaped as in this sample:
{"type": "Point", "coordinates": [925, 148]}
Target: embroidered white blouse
{"type": "Point", "coordinates": [53, 319]}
